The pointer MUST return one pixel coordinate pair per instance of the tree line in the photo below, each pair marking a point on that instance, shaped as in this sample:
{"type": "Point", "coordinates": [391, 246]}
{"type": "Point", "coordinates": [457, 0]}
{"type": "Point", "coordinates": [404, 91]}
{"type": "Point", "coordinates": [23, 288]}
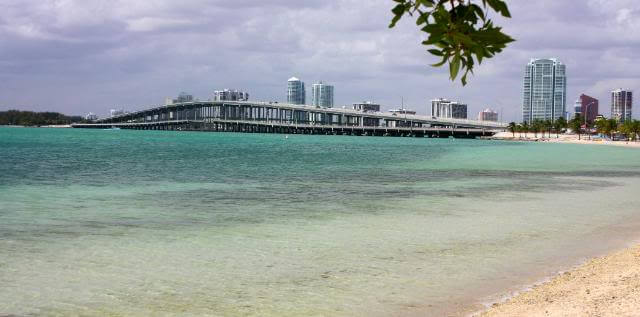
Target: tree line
{"type": "Point", "coordinates": [609, 127]}
{"type": "Point", "coordinates": [30, 118]}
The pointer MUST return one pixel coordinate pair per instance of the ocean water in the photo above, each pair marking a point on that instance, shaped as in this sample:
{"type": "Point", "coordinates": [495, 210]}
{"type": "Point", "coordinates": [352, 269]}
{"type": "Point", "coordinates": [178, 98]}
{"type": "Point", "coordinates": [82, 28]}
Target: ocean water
{"type": "Point", "coordinates": [157, 223]}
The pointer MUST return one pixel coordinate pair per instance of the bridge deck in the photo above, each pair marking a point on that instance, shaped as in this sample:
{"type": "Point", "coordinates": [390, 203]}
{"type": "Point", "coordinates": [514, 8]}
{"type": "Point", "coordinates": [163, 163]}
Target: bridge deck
{"type": "Point", "coordinates": [276, 127]}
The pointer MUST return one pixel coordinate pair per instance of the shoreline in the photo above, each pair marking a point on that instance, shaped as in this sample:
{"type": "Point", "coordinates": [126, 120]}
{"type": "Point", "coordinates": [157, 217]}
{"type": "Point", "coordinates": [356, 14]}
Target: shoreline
{"type": "Point", "coordinates": [607, 285]}
{"type": "Point", "coordinates": [562, 138]}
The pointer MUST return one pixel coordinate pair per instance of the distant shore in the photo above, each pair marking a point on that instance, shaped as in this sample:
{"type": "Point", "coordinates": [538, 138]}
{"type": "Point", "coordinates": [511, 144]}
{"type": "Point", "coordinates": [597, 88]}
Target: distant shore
{"type": "Point", "coordinates": [603, 286]}
{"type": "Point", "coordinates": [561, 138]}
{"type": "Point", "coordinates": [38, 126]}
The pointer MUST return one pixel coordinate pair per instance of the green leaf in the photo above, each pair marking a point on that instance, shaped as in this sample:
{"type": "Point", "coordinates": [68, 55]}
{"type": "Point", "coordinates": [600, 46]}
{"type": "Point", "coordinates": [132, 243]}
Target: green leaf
{"type": "Point", "coordinates": [436, 52]}
{"type": "Point", "coordinates": [444, 60]}
{"type": "Point", "coordinates": [500, 7]}
{"type": "Point", "coordinates": [458, 31]}
{"type": "Point", "coordinates": [398, 11]}
{"type": "Point", "coordinates": [454, 67]}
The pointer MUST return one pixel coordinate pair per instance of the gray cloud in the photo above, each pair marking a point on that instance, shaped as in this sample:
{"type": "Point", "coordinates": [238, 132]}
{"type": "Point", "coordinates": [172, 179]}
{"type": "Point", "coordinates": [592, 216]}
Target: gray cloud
{"type": "Point", "coordinates": [79, 56]}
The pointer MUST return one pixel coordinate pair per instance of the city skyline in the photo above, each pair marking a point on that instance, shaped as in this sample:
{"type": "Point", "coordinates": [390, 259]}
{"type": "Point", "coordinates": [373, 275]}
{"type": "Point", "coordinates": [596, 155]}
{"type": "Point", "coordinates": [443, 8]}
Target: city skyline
{"type": "Point", "coordinates": [59, 59]}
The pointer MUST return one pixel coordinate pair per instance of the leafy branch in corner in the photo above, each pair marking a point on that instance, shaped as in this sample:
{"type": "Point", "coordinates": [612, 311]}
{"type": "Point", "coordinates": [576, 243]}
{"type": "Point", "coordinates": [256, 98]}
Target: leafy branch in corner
{"type": "Point", "coordinates": [457, 30]}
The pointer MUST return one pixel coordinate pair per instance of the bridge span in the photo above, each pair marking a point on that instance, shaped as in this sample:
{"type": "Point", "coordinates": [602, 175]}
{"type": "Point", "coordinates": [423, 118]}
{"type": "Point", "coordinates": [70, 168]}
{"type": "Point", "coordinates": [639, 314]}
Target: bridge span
{"type": "Point", "coordinates": [262, 117]}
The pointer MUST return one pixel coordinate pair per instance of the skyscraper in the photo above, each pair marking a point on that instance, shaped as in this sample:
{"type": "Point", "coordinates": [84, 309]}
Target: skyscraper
{"type": "Point", "coordinates": [621, 102]}
{"type": "Point", "coordinates": [545, 90]}
{"type": "Point", "coordinates": [296, 94]}
{"type": "Point", "coordinates": [322, 95]}
{"type": "Point", "coordinates": [588, 107]}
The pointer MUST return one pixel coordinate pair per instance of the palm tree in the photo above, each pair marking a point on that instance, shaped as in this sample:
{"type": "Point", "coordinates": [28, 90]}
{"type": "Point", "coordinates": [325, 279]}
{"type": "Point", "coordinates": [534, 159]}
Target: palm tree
{"type": "Point", "coordinates": [612, 127]}
{"type": "Point", "coordinates": [635, 128]}
{"type": "Point", "coordinates": [535, 126]}
{"type": "Point", "coordinates": [576, 125]}
{"type": "Point", "coordinates": [601, 126]}
{"type": "Point", "coordinates": [512, 128]}
{"type": "Point", "coordinates": [559, 124]}
{"type": "Point", "coordinates": [607, 126]}
{"type": "Point", "coordinates": [548, 125]}
{"type": "Point", "coordinates": [626, 128]}
{"type": "Point", "coordinates": [525, 128]}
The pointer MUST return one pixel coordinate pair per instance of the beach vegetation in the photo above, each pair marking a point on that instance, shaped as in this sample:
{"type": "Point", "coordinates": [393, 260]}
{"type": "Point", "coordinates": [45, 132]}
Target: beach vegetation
{"type": "Point", "coordinates": [525, 128]}
{"type": "Point", "coordinates": [559, 124]}
{"type": "Point", "coordinates": [512, 127]}
{"type": "Point", "coordinates": [537, 125]}
{"type": "Point", "coordinates": [576, 125]}
{"type": "Point", "coordinates": [30, 118]}
{"type": "Point", "coordinates": [548, 125]}
{"type": "Point", "coordinates": [459, 32]}
{"type": "Point", "coordinates": [607, 127]}
{"type": "Point", "coordinates": [631, 129]}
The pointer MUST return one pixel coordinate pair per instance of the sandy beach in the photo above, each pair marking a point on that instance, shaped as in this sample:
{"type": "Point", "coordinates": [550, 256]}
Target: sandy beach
{"type": "Point", "coordinates": [562, 138]}
{"type": "Point", "coordinates": [604, 286]}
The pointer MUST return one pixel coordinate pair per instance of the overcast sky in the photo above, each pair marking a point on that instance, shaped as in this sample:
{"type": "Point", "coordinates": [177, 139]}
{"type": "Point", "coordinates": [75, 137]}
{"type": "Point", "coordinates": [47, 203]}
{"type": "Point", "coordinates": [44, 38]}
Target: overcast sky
{"type": "Point", "coordinates": [76, 56]}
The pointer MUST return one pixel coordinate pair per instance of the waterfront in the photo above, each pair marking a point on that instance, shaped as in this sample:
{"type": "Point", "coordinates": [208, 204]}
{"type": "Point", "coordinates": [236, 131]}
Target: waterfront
{"type": "Point", "coordinates": [153, 222]}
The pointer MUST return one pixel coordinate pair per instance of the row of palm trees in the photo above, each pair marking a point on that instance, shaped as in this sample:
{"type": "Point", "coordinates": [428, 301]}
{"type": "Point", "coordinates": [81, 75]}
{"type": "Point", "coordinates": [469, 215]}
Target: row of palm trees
{"type": "Point", "coordinates": [629, 128]}
{"type": "Point", "coordinates": [610, 127]}
{"type": "Point", "coordinates": [539, 126]}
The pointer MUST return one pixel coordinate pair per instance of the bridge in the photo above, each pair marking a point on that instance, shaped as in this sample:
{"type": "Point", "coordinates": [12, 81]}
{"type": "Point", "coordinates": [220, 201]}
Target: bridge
{"type": "Point", "coordinates": [273, 117]}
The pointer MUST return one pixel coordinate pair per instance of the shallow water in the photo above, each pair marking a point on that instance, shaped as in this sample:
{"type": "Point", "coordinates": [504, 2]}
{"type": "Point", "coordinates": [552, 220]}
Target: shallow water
{"type": "Point", "coordinates": [97, 222]}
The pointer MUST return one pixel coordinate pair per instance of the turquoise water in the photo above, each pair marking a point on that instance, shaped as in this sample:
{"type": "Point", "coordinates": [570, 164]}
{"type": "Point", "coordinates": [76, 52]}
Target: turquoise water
{"type": "Point", "coordinates": [151, 223]}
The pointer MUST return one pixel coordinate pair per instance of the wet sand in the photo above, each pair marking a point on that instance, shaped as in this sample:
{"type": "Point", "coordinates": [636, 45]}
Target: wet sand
{"type": "Point", "coordinates": [603, 286]}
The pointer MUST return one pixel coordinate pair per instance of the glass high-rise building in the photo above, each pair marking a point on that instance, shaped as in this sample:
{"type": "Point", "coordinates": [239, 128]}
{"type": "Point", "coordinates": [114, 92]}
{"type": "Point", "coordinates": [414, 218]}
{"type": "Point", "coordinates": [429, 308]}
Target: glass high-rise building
{"type": "Point", "coordinates": [322, 95]}
{"type": "Point", "coordinates": [545, 90]}
{"type": "Point", "coordinates": [296, 94]}
{"type": "Point", "coordinates": [621, 102]}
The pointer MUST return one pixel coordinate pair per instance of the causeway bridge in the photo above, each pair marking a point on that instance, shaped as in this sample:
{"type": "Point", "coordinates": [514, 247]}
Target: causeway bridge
{"type": "Point", "coordinates": [273, 117]}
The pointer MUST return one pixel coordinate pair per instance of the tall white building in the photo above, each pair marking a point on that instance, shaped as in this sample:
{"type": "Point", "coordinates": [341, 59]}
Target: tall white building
{"type": "Point", "coordinates": [322, 95]}
{"type": "Point", "coordinates": [621, 103]}
{"type": "Point", "coordinates": [230, 95]}
{"type": "Point", "coordinates": [443, 108]}
{"type": "Point", "coordinates": [296, 94]}
{"type": "Point", "coordinates": [544, 90]}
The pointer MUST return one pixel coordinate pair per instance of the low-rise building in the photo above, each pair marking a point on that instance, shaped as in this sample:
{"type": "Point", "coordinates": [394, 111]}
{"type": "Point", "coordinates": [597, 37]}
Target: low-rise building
{"type": "Point", "coordinates": [443, 108]}
{"type": "Point", "coordinates": [230, 95]}
{"type": "Point", "coordinates": [91, 116]}
{"type": "Point", "coordinates": [116, 112]}
{"type": "Point", "coordinates": [402, 111]}
{"type": "Point", "coordinates": [182, 97]}
{"type": "Point", "coordinates": [366, 106]}
{"type": "Point", "coordinates": [488, 115]}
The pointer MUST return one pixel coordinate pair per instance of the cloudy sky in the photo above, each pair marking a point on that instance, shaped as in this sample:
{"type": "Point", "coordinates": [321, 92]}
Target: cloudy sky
{"type": "Point", "coordinates": [77, 56]}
